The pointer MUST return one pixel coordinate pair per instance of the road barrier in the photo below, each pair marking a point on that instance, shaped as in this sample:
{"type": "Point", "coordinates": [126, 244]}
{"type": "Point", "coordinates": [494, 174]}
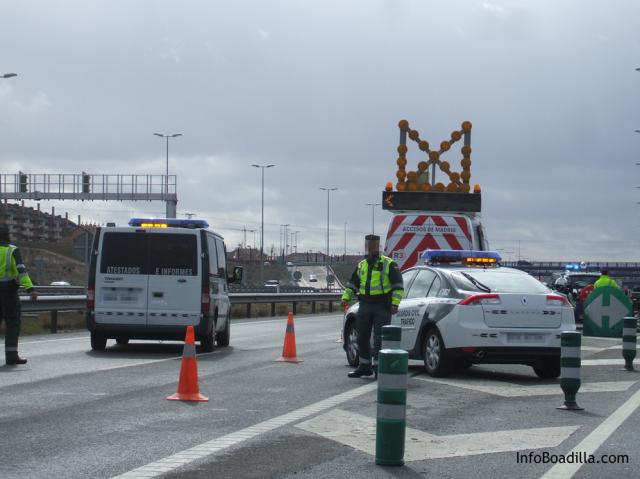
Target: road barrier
{"type": "Point", "coordinates": [77, 302]}
{"type": "Point", "coordinates": [391, 337]}
{"type": "Point", "coordinates": [391, 422]}
{"type": "Point", "coordinates": [629, 339]}
{"type": "Point", "coordinates": [570, 343]}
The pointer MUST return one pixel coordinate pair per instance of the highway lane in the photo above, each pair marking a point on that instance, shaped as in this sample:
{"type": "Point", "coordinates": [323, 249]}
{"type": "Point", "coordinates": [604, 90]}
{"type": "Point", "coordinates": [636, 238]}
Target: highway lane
{"type": "Point", "coordinates": [75, 413]}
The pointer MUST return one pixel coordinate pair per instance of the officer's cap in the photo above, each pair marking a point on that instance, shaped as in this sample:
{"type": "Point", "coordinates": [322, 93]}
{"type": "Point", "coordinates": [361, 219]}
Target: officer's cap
{"type": "Point", "coordinates": [372, 238]}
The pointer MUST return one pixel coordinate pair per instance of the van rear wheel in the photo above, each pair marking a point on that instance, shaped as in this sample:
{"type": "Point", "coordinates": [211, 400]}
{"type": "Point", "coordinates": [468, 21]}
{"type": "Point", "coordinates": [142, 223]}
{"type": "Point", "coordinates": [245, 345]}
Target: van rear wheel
{"type": "Point", "coordinates": [223, 337]}
{"type": "Point", "coordinates": [206, 342]}
{"type": "Point", "coordinates": [98, 342]}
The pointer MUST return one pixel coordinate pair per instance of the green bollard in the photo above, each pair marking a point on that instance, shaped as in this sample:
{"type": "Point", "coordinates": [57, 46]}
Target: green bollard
{"type": "Point", "coordinates": [391, 337]}
{"type": "Point", "coordinates": [629, 337]}
{"type": "Point", "coordinates": [391, 421]}
{"type": "Point", "coordinates": [570, 369]}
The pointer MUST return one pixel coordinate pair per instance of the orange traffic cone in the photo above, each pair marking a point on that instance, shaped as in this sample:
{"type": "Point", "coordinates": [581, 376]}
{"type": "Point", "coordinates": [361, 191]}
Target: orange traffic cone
{"type": "Point", "coordinates": [289, 354]}
{"type": "Point", "coordinates": [188, 389]}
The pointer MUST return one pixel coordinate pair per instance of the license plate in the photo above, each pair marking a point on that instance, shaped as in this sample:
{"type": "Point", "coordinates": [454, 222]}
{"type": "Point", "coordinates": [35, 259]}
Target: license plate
{"type": "Point", "coordinates": [518, 338]}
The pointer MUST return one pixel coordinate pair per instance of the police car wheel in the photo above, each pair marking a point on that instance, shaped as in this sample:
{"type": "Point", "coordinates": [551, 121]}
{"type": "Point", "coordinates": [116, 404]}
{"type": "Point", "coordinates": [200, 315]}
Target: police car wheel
{"type": "Point", "coordinates": [436, 361]}
{"type": "Point", "coordinates": [547, 368]}
{"type": "Point", "coordinates": [351, 340]}
{"type": "Point", "coordinates": [224, 336]}
{"type": "Point", "coordinates": [98, 342]}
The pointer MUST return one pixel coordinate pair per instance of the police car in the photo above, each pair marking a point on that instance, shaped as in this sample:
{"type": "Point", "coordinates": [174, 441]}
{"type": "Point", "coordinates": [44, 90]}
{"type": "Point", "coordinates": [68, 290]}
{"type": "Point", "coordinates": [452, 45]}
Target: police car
{"type": "Point", "coordinates": [155, 277]}
{"type": "Point", "coordinates": [463, 308]}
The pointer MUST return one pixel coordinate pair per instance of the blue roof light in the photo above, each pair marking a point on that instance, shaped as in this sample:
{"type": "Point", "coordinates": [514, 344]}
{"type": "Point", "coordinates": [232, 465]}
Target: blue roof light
{"type": "Point", "coordinates": [461, 255]}
{"type": "Point", "coordinates": [168, 223]}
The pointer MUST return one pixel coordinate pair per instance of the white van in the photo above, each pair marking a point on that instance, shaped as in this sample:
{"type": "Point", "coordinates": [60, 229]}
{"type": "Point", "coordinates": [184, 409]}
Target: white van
{"type": "Point", "coordinates": [154, 278]}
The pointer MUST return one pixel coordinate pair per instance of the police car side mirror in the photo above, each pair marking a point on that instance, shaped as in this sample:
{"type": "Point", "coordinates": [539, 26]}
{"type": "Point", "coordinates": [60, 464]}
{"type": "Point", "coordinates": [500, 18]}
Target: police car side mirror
{"type": "Point", "coordinates": [237, 275]}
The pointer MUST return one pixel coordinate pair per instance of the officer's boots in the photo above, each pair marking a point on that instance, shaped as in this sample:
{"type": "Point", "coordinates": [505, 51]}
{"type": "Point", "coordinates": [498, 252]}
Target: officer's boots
{"type": "Point", "coordinates": [361, 370]}
{"type": "Point", "coordinates": [13, 359]}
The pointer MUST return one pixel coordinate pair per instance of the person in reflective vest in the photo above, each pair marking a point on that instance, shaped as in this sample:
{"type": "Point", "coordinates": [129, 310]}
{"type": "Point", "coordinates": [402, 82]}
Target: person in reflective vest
{"type": "Point", "coordinates": [605, 280]}
{"type": "Point", "coordinates": [13, 274]}
{"type": "Point", "coordinates": [378, 284]}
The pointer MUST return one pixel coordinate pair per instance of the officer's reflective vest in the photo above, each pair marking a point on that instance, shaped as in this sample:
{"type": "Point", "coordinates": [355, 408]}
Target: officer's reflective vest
{"type": "Point", "coordinates": [10, 271]}
{"type": "Point", "coordinates": [380, 281]}
{"type": "Point", "coordinates": [604, 280]}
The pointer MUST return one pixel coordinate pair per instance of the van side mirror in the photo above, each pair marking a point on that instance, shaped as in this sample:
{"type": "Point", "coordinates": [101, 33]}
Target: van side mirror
{"type": "Point", "coordinates": [237, 275]}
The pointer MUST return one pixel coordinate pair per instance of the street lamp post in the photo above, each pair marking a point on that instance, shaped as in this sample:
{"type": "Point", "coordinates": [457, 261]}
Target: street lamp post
{"type": "Point", "coordinates": [170, 211]}
{"type": "Point", "coordinates": [262, 167]}
{"type": "Point", "coordinates": [328, 190]}
{"type": "Point", "coordinates": [373, 216]}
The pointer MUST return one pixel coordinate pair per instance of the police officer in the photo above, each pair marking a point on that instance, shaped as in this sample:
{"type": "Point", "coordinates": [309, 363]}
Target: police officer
{"type": "Point", "coordinates": [605, 280]}
{"type": "Point", "coordinates": [13, 273]}
{"type": "Point", "coordinates": [378, 283]}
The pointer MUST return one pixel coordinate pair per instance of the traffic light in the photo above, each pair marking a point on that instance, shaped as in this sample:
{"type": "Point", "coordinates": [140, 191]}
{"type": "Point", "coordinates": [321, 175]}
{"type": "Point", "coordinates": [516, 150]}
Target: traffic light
{"type": "Point", "coordinates": [86, 182]}
{"type": "Point", "coordinates": [22, 182]}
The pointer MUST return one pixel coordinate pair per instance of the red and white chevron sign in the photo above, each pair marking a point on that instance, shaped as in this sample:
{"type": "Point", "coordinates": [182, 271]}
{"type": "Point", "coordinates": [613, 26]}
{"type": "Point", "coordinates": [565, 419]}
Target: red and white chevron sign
{"type": "Point", "coordinates": [410, 235]}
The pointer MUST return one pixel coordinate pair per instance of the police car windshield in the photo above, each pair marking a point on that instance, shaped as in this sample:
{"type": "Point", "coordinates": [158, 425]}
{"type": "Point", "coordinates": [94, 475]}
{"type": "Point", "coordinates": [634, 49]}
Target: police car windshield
{"type": "Point", "coordinates": [497, 281]}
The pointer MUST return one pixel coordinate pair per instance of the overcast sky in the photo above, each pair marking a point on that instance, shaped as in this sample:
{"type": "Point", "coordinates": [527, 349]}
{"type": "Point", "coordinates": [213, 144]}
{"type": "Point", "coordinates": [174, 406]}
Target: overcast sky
{"type": "Point", "coordinates": [317, 88]}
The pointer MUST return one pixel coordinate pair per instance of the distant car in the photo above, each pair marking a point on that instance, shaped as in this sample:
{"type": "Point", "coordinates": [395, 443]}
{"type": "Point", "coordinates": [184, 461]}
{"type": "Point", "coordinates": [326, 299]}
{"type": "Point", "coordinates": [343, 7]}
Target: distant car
{"type": "Point", "coordinates": [313, 278]}
{"type": "Point", "coordinates": [462, 308]}
{"type": "Point", "coordinates": [272, 283]}
{"type": "Point", "coordinates": [290, 263]}
{"type": "Point", "coordinates": [60, 283]}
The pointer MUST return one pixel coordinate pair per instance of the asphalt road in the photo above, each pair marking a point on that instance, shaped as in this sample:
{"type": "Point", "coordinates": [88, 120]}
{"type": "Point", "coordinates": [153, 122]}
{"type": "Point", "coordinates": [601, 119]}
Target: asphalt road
{"type": "Point", "coordinates": [75, 413]}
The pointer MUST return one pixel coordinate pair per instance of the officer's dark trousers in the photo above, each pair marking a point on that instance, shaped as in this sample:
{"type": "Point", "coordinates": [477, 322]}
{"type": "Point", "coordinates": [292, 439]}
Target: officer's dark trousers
{"type": "Point", "coordinates": [10, 313]}
{"type": "Point", "coordinates": [371, 316]}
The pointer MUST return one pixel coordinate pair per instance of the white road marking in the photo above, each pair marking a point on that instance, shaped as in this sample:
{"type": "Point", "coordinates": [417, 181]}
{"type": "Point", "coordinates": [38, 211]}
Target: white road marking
{"type": "Point", "coordinates": [603, 362]}
{"type": "Point", "coordinates": [359, 432]}
{"type": "Point", "coordinates": [591, 443]}
{"type": "Point", "coordinates": [504, 389]}
{"type": "Point", "coordinates": [187, 456]}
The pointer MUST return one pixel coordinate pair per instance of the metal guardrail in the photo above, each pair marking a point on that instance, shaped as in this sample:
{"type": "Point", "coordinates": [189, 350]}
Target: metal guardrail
{"type": "Point", "coordinates": [77, 302]}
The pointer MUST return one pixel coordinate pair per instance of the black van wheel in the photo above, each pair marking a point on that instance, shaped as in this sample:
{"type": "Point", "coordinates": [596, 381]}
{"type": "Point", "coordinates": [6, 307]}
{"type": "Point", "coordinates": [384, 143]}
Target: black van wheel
{"type": "Point", "coordinates": [206, 342]}
{"type": "Point", "coordinates": [224, 337]}
{"type": "Point", "coordinates": [547, 368]}
{"type": "Point", "coordinates": [98, 342]}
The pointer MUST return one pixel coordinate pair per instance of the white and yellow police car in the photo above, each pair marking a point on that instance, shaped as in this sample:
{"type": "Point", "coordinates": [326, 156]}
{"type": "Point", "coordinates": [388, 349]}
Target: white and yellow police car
{"type": "Point", "coordinates": [463, 308]}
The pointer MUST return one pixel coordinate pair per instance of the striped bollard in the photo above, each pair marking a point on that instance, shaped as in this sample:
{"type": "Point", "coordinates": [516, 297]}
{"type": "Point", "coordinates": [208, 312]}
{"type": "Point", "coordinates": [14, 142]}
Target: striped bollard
{"type": "Point", "coordinates": [392, 407]}
{"type": "Point", "coordinates": [629, 337]}
{"type": "Point", "coordinates": [391, 336]}
{"type": "Point", "coordinates": [570, 369]}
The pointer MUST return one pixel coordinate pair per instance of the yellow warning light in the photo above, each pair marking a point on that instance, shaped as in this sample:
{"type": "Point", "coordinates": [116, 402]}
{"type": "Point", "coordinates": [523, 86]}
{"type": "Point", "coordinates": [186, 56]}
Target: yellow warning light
{"type": "Point", "coordinates": [403, 124]}
{"type": "Point", "coordinates": [480, 260]}
{"type": "Point", "coordinates": [153, 225]}
{"type": "Point", "coordinates": [423, 145]}
{"type": "Point", "coordinates": [439, 187]}
{"type": "Point", "coordinates": [400, 186]}
{"type": "Point", "coordinates": [388, 186]}
{"type": "Point", "coordinates": [445, 145]}
{"type": "Point", "coordinates": [466, 163]}
{"type": "Point", "coordinates": [422, 166]}
{"type": "Point", "coordinates": [402, 162]}
{"type": "Point", "coordinates": [402, 149]}
{"type": "Point", "coordinates": [401, 175]}
{"type": "Point", "coordinates": [466, 150]}
{"type": "Point", "coordinates": [434, 155]}
{"type": "Point", "coordinates": [476, 188]}
{"type": "Point", "coordinates": [414, 135]}
{"type": "Point", "coordinates": [412, 176]}
{"type": "Point", "coordinates": [412, 186]}
{"type": "Point", "coordinates": [444, 166]}
{"type": "Point", "coordinates": [425, 187]}
{"type": "Point", "coordinates": [466, 126]}
{"type": "Point", "coordinates": [456, 135]}
{"type": "Point", "coordinates": [465, 188]}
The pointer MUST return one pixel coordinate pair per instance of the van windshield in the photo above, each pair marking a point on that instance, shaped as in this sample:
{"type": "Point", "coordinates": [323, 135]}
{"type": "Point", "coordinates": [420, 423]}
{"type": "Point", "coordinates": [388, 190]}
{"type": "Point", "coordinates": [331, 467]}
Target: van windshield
{"type": "Point", "coordinates": [154, 254]}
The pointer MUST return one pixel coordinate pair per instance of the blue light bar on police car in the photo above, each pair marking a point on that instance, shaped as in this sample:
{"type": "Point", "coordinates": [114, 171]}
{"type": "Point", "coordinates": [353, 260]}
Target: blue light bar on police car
{"type": "Point", "coordinates": [168, 223]}
{"type": "Point", "coordinates": [461, 255]}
